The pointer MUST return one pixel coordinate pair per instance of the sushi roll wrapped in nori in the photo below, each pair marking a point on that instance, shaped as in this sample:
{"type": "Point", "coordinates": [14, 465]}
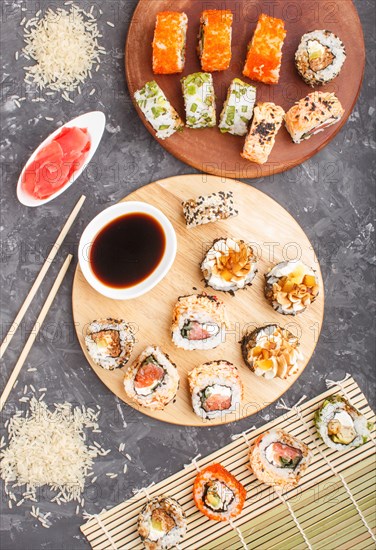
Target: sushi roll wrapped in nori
{"type": "Point", "coordinates": [169, 42]}
{"type": "Point", "coordinates": [162, 524]}
{"type": "Point", "coordinates": [214, 46]}
{"type": "Point", "coordinates": [216, 389]}
{"type": "Point", "coordinates": [291, 287]}
{"type": "Point", "coordinates": [199, 100]}
{"type": "Point", "coordinates": [238, 108]}
{"type": "Point", "coordinates": [211, 208]}
{"type": "Point", "coordinates": [218, 494]}
{"type": "Point", "coordinates": [341, 425]}
{"type": "Point", "coordinates": [279, 459]}
{"type": "Point", "coordinates": [152, 380]}
{"type": "Point", "coordinates": [229, 265]}
{"type": "Point", "coordinates": [158, 110]}
{"type": "Point", "coordinates": [319, 57]}
{"type": "Point", "coordinates": [198, 322]}
{"type": "Point", "coordinates": [312, 114]}
{"type": "Point", "coordinates": [271, 351]}
{"type": "Point", "coordinates": [109, 342]}
{"type": "Point", "coordinates": [267, 120]}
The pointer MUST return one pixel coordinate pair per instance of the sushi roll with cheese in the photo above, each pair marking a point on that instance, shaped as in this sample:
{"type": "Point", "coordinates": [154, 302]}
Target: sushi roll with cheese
{"type": "Point", "coordinates": [109, 342]}
{"type": "Point", "coordinates": [216, 389]}
{"type": "Point", "coordinates": [214, 46]}
{"type": "Point", "coordinates": [319, 57]}
{"type": "Point", "coordinates": [312, 114]}
{"type": "Point", "coordinates": [279, 459]}
{"type": "Point", "coordinates": [218, 494]}
{"type": "Point", "coordinates": [209, 208]}
{"type": "Point", "coordinates": [199, 100]}
{"type": "Point", "coordinates": [162, 523]}
{"type": "Point", "coordinates": [340, 425]}
{"type": "Point", "coordinates": [267, 120]}
{"type": "Point", "coordinates": [169, 42]}
{"type": "Point", "coordinates": [157, 110]}
{"type": "Point", "coordinates": [271, 351]}
{"type": "Point", "coordinates": [152, 380]}
{"type": "Point", "coordinates": [291, 287]}
{"type": "Point", "coordinates": [198, 322]}
{"type": "Point", "coordinates": [229, 265]}
{"type": "Point", "coordinates": [238, 108]}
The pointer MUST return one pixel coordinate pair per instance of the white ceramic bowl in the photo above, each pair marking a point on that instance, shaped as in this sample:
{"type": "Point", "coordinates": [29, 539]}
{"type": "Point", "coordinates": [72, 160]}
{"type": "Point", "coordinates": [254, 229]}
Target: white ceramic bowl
{"type": "Point", "coordinates": [95, 122]}
{"type": "Point", "coordinates": [103, 219]}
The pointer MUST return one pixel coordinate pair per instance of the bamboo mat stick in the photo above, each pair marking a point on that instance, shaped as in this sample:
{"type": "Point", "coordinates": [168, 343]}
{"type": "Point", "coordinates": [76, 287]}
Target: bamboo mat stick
{"type": "Point", "coordinates": [48, 261]}
{"type": "Point", "coordinates": [35, 330]}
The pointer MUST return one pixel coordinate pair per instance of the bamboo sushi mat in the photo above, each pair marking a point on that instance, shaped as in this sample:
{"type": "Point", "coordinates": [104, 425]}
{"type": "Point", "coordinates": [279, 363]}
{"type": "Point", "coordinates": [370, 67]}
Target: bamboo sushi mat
{"type": "Point", "coordinates": [320, 502]}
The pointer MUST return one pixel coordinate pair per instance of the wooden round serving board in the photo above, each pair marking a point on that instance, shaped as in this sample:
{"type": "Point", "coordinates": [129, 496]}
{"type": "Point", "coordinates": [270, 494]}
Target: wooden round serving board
{"type": "Point", "coordinates": [210, 151]}
{"type": "Point", "coordinates": [274, 235]}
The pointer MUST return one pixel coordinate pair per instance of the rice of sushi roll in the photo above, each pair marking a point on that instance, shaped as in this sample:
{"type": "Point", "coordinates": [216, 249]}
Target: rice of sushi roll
{"type": "Point", "coordinates": [158, 110]}
{"type": "Point", "coordinates": [271, 351]}
{"type": "Point", "coordinates": [199, 100]}
{"type": "Point", "coordinates": [216, 389]}
{"type": "Point", "coordinates": [198, 322]}
{"type": "Point", "coordinates": [218, 494]}
{"type": "Point", "coordinates": [266, 122]}
{"type": "Point", "coordinates": [214, 47]}
{"type": "Point", "coordinates": [238, 108]}
{"type": "Point", "coordinates": [319, 57]}
{"type": "Point", "coordinates": [152, 380]}
{"type": "Point", "coordinates": [229, 265]}
{"type": "Point", "coordinates": [312, 114]}
{"type": "Point", "coordinates": [209, 208]}
{"type": "Point", "coordinates": [169, 42]}
{"type": "Point", "coordinates": [109, 343]}
{"type": "Point", "coordinates": [279, 459]}
{"type": "Point", "coordinates": [291, 287]}
{"type": "Point", "coordinates": [162, 524]}
{"type": "Point", "coordinates": [340, 425]}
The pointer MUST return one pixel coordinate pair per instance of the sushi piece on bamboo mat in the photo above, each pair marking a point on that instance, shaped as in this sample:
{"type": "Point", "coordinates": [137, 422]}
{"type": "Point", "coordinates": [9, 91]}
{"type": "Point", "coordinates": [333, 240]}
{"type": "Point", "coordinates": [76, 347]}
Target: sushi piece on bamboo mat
{"type": "Point", "coordinates": [320, 501]}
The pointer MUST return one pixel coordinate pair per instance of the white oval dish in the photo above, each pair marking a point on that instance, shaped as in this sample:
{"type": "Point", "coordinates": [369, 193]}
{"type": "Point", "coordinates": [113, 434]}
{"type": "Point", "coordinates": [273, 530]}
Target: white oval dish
{"type": "Point", "coordinates": [95, 122]}
{"type": "Point", "coordinates": [106, 217]}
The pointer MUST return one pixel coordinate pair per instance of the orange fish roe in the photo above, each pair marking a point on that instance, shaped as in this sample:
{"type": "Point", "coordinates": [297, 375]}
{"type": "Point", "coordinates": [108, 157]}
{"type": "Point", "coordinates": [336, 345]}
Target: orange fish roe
{"type": "Point", "coordinates": [264, 56]}
{"type": "Point", "coordinates": [169, 42]}
{"type": "Point", "coordinates": [214, 46]}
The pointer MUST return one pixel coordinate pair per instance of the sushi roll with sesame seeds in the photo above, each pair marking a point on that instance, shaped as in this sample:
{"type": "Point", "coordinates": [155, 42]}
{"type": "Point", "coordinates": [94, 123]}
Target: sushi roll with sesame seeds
{"type": "Point", "coordinates": [214, 46]}
{"type": "Point", "coordinates": [162, 523]}
{"type": "Point", "coordinates": [109, 342]}
{"type": "Point", "coordinates": [319, 57]}
{"type": "Point", "coordinates": [209, 208]}
{"type": "Point", "coordinates": [291, 287]}
{"type": "Point", "coordinates": [152, 380]}
{"type": "Point", "coordinates": [266, 122]}
{"type": "Point", "coordinates": [198, 322]}
{"type": "Point", "coordinates": [238, 108]}
{"type": "Point", "coordinates": [169, 42]}
{"type": "Point", "coordinates": [216, 389]}
{"type": "Point", "coordinates": [229, 265]}
{"type": "Point", "coordinates": [199, 100]}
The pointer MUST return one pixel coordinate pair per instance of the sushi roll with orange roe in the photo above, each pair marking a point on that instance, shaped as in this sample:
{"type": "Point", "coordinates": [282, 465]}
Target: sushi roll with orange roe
{"type": "Point", "coordinates": [214, 47]}
{"type": "Point", "coordinates": [218, 494]}
{"type": "Point", "coordinates": [169, 42]}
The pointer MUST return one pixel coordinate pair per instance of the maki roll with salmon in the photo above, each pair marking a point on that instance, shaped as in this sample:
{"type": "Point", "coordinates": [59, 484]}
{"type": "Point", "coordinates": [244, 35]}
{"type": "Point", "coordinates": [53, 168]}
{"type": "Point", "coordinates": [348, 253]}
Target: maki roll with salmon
{"type": "Point", "coordinates": [340, 425]}
{"type": "Point", "coordinates": [214, 46]}
{"type": "Point", "coordinates": [312, 114]}
{"type": "Point", "coordinates": [109, 343]}
{"type": "Point", "coordinates": [209, 208]}
{"type": "Point", "coordinates": [152, 380]}
{"type": "Point", "coordinates": [229, 265]}
{"type": "Point", "coordinates": [319, 57]}
{"type": "Point", "coordinates": [267, 120]}
{"type": "Point", "coordinates": [162, 524]}
{"type": "Point", "coordinates": [199, 100]}
{"type": "Point", "coordinates": [169, 42]}
{"type": "Point", "coordinates": [291, 287]}
{"type": "Point", "coordinates": [216, 389]}
{"type": "Point", "coordinates": [279, 459]}
{"type": "Point", "coordinates": [238, 108]}
{"type": "Point", "coordinates": [198, 322]}
{"type": "Point", "coordinates": [218, 494]}
{"type": "Point", "coordinates": [271, 351]}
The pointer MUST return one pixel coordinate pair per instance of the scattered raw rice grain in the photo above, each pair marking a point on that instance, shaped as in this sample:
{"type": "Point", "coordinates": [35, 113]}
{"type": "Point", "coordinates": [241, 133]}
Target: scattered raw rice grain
{"type": "Point", "coordinates": [94, 479]}
{"type": "Point", "coordinates": [10, 504]}
{"type": "Point", "coordinates": [48, 118]}
{"type": "Point", "coordinates": [128, 457]}
{"type": "Point", "coordinates": [16, 55]}
{"type": "Point", "coordinates": [125, 469]}
{"type": "Point", "coordinates": [15, 384]}
{"type": "Point", "coordinates": [92, 91]}
{"type": "Point", "coordinates": [31, 369]}
{"type": "Point", "coordinates": [110, 24]}
{"type": "Point", "coordinates": [20, 502]}
{"type": "Point", "coordinates": [42, 389]}
{"type": "Point", "coordinates": [32, 388]}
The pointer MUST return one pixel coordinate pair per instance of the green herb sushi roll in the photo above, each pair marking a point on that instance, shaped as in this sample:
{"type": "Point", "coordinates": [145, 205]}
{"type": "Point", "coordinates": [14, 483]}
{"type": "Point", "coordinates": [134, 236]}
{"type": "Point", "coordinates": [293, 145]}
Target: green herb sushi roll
{"type": "Point", "coordinates": [238, 108]}
{"type": "Point", "coordinates": [199, 100]}
{"type": "Point", "coordinates": [158, 110]}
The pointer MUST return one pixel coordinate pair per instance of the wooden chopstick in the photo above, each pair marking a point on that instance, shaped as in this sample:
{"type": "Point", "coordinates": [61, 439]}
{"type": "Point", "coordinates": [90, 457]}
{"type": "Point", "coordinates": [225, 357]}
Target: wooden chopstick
{"type": "Point", "coordinates": [48, 261]}
{"type": "Point", "coordinates": [35, 331]}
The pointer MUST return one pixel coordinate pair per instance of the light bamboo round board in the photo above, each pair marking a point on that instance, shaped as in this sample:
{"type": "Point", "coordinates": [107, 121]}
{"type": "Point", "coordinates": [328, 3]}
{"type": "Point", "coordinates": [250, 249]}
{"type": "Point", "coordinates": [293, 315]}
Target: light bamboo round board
{"type": "Point", "coordinates": [275, 236]}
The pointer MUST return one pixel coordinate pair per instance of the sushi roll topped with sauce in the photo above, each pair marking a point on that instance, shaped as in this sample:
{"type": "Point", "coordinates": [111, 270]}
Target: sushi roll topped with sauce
{"type": "Point", "coordinates": [109, 342]}
{"type": "Point", "coordinates": [340, 425]}
{"type": "Point", "coordinates": [260, 140]}
{"type": "Point", "coordinates": [319, 57]}
{"type": "Point", "coordinates": [218, 494]}
{"type": "Point", "coordinates": [229, 265]}
{"type": "Point", "coordinates": [162, 524]}
{"type": "Point", "coordinates": [291, 287]}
